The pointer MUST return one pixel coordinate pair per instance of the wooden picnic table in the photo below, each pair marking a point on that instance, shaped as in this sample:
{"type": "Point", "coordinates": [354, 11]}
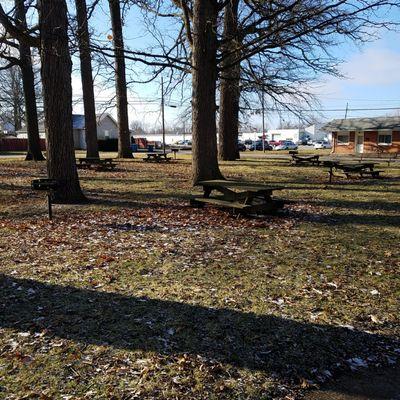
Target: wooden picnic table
{"type": "Point", "coordinates": [246, 197]}
{"type": "Point", "coordinates": [311, 159]}
{"type": "Point", "coordinates": [157, 156]}
{"type": "Point", "coordinates": [99, 163]}
{"type": "Point", "coordinates": [361, 169]}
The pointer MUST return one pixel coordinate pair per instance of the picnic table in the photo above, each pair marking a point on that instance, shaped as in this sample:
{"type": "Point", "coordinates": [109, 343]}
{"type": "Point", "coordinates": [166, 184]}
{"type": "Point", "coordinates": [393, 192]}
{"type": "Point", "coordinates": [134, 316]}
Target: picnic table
{"type": "Point", "coordinates": [98, 163]}
{"type": "Point", "coordinates": [299, 160]}
{"type": "Point", "coordinates": [360, 169]}
{"type": "Point", "coordinates": [157, 156]}
{"type": "Point", "coordinates": [245, 197]}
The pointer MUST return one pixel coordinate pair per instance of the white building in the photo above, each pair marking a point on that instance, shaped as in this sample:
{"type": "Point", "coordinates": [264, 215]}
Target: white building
{"type": "Point", "coordinates": [272, 134]}
{"type": "Point", "coordinates": [313, 132]}
{"type": "Point", "coordinates": [107, 128]}
{"type": "Point", "coordinates": [170, 138]}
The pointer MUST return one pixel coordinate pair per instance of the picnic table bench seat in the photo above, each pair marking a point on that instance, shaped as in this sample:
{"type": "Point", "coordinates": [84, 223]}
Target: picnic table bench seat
{"type": "Point", "coordinates": [306, 159]}
{"type": "Point", "coordinates": [157, 156]}
{"type": "Point", "coordinates": [245, 197]}
{"type": "Point", "coordinates": [99, 163]}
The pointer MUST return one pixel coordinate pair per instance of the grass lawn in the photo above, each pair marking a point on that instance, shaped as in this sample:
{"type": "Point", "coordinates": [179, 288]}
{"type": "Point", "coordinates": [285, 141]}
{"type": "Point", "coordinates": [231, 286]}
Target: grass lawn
{"type": "Point", "coordinates": [137, 295]}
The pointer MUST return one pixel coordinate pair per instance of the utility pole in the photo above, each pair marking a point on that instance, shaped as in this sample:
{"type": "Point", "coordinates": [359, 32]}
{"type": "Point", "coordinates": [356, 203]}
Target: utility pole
{"type": "Point", "coordinates": [162, 113]}
{"type": "Point", "coordinates": [263, 121]}
{"type": "Point", "coordinates": [347, 108]}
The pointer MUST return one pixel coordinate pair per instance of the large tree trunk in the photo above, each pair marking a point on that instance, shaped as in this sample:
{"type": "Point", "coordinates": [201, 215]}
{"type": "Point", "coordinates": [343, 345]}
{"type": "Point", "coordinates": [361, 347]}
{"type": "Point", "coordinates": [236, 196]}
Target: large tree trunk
{"type": "Point", "coordinates": [124, 150]}
{"type": "Point", "coordinates": [204, 75]}
{"type": "Point", "coordinates": [56, 69]}
{"type": "Point", "coordinates": [92, 149]}
{"type": "Point", "coordinates": [28, 80]}
{"type": "Point", "coordinates": [229, 92]}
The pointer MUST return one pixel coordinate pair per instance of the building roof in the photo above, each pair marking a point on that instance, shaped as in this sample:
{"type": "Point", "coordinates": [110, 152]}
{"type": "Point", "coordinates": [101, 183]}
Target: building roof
{"type": "Point", "coordinates": [362, 124]}
{"type": "Point", "coordinates": [78, 122]}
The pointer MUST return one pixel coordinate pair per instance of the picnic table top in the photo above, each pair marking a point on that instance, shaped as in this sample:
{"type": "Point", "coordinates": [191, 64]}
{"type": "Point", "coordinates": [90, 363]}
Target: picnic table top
{"type": "Point", "coordinates": [95, 159]}
{"type": "Point", "coordinates": [161, 153]}
{"type": "Point", "coordinates": [348, 164]}
{"type": "Point", "coordinates": [248, 186]}
{"type": "Point", "coordinates": [305, 156]}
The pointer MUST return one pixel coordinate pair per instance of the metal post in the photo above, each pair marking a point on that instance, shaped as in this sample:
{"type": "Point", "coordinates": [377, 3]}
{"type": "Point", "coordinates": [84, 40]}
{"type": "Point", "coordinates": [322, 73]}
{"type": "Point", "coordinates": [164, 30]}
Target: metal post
{"type": "Point", "coordinates": [162, 113]}
{"type": "Point", "coordinates": [347, 109]}
{"type": "Point", "coordinates": [263, 122]}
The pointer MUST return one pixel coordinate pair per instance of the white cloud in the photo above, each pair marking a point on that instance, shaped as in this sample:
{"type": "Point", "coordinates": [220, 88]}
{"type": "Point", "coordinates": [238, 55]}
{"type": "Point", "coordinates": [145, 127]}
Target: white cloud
{"type": "Point", "coordinates": [375, 66]}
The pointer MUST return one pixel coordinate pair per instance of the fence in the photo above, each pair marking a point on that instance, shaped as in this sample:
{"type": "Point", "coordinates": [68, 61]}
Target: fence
{"type": "Point", "coordinates": [13, 144]}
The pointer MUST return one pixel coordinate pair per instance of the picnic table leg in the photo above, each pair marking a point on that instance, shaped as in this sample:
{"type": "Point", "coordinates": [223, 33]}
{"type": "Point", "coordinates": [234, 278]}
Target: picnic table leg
{"type": "Point", "coordinates": [49, 205]}
{"type": "Point", "coordinates": [207, 192]}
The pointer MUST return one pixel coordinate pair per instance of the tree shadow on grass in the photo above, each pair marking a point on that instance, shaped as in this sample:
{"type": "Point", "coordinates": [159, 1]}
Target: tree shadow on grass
{"type": "Point", "coordinates": [388, 220]}
{"type": "Point", "coordinates": [359, 205]}
{"type": "Point", "coordinates": [281, 347]}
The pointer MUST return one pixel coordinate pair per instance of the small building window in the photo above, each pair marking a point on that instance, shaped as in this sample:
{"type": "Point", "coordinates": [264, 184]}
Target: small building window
{"type": "Point", "coordinates": [385, 138]}
{"type": "Point", "coordinates": [343, 138]}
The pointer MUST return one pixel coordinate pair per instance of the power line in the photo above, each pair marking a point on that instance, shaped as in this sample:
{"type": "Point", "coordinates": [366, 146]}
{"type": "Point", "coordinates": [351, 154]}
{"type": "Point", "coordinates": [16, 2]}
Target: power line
{"type": "Point", "coordinates": [333, 109]}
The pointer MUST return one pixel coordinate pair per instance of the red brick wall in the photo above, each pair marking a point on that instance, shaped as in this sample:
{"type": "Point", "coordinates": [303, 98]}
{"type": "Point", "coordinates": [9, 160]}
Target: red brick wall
{"type": "Point", "coordinates": [395, 147]}
{"type": "Point", "coordinates": [341, 148]}
{"type": "Point", "coordinates": [370, 144]}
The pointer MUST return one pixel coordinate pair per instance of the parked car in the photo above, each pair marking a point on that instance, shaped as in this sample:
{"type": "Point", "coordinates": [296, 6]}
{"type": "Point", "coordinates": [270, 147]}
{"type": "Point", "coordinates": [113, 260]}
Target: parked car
{"type": "Point", "coordinates": [286, 145]}
{"type": "Point", "coordinates": [241, 146]}
{"type": "Point", "coordinates": [274, 143]}
{"type": "Point", "coordinates": [302, 142]}
{"type": "Point", "coordinates": [258, 145]}
{"type": "Point", "coordinates": [249, 144]}
{"type": "Point", "coordinates": [183, 145]}
{"type": "Point", "coordinates": [322, 145]}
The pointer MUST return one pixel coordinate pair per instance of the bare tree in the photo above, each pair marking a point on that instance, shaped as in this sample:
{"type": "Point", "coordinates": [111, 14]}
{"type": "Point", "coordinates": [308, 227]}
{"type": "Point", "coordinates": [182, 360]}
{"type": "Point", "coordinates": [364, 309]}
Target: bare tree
{"type": "Point", "coordinates": [204, 78]}
{"type": "Point", "coordinates": [55, 71]}
{"type": "Point", "coordinates": [283, 46]}
{"type": "Point", "coordinates": [124, 150]}
{"type": "Point", "coordinates": [12, 95]}
{"type": "Point", "coordinates": [229, 90]}
{"type": "Point", "coordinates": [25, 61]}
{"type": "Point", "coordinates": [56, 78]}
{"type": "Point", "coordinates": [82, 33]}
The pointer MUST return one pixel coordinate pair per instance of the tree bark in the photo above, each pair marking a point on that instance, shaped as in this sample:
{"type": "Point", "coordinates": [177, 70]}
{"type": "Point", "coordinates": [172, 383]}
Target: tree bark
{"type": "Point", "coordinates": [28, 81]}
{"type": "Point", "coordinates": [56, 67]}
{"type": "Point", "coordinates": [92, 149]}
{"type": "Point", "coordinates": [124, 150]}
{"type": "Point", "coordinates": [204, 76]}
{"type": "Point", "coordinates": [230, 92]}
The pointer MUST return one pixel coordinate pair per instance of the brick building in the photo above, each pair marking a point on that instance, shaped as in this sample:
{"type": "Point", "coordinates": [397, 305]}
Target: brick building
{"type": "Point", "coordinates": [365, 135]}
